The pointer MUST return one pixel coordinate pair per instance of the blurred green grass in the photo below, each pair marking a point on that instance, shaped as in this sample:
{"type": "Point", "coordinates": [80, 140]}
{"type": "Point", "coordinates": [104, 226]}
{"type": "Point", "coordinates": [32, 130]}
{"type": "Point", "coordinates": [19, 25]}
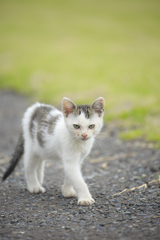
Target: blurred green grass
{"type": "Point", "coordinates": [83, 50]}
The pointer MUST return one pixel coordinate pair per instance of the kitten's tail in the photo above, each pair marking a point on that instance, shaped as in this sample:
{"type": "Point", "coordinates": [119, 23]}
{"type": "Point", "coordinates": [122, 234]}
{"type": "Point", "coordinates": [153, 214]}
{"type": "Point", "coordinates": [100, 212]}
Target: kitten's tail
{"type": "Point", "coordinates": [16, 156]}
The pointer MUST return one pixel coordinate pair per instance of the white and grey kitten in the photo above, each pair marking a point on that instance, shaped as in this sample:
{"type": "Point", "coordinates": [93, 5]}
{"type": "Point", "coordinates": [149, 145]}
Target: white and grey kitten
{"type": "Point", "coordinates": [69, 135]}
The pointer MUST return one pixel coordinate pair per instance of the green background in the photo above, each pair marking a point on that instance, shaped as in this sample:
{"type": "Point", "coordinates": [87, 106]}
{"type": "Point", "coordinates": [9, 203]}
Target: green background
{"type": "Point", "coordinates": [83, 50]}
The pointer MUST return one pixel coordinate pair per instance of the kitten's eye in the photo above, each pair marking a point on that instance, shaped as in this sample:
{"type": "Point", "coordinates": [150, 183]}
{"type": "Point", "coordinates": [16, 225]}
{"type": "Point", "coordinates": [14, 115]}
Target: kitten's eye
{"type": "Point", "coordinates": [91, 126]}
{"type": "Point", "coordinates": [76, 126]}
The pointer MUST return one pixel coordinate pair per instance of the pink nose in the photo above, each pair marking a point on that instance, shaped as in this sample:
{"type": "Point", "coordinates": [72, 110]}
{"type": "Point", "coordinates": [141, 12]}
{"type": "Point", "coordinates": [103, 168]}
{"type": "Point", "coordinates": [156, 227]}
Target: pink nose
{"type": "Point", "coordinates": [84, 135]}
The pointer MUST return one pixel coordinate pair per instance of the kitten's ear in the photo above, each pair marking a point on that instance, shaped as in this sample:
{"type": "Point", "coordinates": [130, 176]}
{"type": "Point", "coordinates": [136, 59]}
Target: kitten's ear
{"type": "Point", "coordinates": [98, 106]}
{"type": "Point", "coordinates": [67, 106]}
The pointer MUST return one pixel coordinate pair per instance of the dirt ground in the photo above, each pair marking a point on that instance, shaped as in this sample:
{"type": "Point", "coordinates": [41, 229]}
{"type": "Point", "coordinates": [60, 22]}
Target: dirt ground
{"type": "Point", "coordinates": [122, 177]}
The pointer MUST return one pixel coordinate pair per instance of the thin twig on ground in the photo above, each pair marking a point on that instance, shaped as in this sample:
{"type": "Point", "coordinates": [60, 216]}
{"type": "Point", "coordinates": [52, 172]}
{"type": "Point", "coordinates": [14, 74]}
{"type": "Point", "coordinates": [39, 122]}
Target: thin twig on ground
{"type": "Point", "coordinates": [145, 185]}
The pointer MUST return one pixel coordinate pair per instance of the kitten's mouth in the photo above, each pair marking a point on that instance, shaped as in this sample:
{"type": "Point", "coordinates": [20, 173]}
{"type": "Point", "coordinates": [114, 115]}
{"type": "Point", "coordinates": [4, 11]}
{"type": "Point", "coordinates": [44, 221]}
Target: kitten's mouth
{"type": "Point", "coordinates": [84, 139]}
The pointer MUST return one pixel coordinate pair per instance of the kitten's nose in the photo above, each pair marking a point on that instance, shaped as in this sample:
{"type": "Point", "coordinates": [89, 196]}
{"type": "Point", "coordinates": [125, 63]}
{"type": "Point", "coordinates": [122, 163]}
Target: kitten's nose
{"type": "Point", "coordinates": [84, 135]}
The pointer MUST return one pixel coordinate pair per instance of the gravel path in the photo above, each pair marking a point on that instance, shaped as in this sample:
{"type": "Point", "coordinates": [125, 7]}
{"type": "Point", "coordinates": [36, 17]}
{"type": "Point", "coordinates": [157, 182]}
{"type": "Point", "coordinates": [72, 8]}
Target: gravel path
{"type": "Point", "coordinates": [122, 177]}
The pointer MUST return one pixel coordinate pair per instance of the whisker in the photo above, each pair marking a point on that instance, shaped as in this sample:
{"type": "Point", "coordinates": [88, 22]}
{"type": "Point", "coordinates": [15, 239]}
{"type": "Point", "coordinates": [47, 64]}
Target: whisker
{"type": "Point", "coordinates": [98, 145]}
{"type": "Point", "coordinates": [101, 139]}
{"type": "Point", "coordinates": [101, 136]}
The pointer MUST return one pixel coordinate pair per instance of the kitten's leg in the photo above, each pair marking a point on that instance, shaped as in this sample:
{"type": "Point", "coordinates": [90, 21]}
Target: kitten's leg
{"type": "Point", "coordinates": [30, 164]}
{"type": "Point", "coordinates": [73, 173]}
{"type": "Point", "coordinates": [67, 188]}
{"type": "Point", "coordinates": [40, 171]}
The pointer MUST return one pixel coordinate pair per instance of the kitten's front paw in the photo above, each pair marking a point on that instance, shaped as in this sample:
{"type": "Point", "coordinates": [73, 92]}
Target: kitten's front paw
{"type": "Point", "coordinates": [86, 201]}
{"type": "Point", "coordinates": [68, 192]}
{"type": "Point", "coordinates": [36, 189]}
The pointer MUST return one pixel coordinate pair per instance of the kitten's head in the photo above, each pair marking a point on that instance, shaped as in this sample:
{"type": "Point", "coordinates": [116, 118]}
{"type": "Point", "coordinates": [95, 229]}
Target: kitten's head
{"type": "Point", "coordinates": [83, 121]}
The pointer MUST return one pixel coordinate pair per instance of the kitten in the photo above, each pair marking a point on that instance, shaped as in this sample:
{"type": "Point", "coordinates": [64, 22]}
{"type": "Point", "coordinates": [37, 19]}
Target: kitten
{"type": "Point", "coordinates": [69, 135]}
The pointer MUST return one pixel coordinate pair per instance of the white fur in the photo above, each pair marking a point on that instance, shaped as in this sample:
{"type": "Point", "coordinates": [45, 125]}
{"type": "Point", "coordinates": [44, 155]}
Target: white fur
{"type": "Point", "coordinates": [66, 144]}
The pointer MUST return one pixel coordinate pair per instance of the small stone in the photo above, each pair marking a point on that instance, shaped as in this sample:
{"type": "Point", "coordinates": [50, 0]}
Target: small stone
{"type": "Point", "coordinates": [139, 204]}
{"type": "Point", "coordinates": [115, 223]}
{"type": "Point", "coordinates": [42, 224]}
{"type": "Point", "coordinates": [102, 224]}
{"type": "Point", "coordinates": [14, 221]}
{"type": "Point", "coordinates": [54, 212]}
{"type": "Point", "coordinates": [112, 228]}
{"type": "Point", "coordinates": [103, 193]}
{"type": "Point", "coordinates": [154, 169]}
{"type": "Point", "coordinates": [129, 213]}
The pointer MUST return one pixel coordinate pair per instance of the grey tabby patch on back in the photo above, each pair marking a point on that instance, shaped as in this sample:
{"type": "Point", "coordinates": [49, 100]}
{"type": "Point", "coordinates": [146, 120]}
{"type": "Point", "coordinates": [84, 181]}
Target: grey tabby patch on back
{"type": "Point", "coordinates": [52, 123]}
{"type": "Point", "coordinates": [39, 116]}
{"type": "Point", "coordinates": [44, 120]}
